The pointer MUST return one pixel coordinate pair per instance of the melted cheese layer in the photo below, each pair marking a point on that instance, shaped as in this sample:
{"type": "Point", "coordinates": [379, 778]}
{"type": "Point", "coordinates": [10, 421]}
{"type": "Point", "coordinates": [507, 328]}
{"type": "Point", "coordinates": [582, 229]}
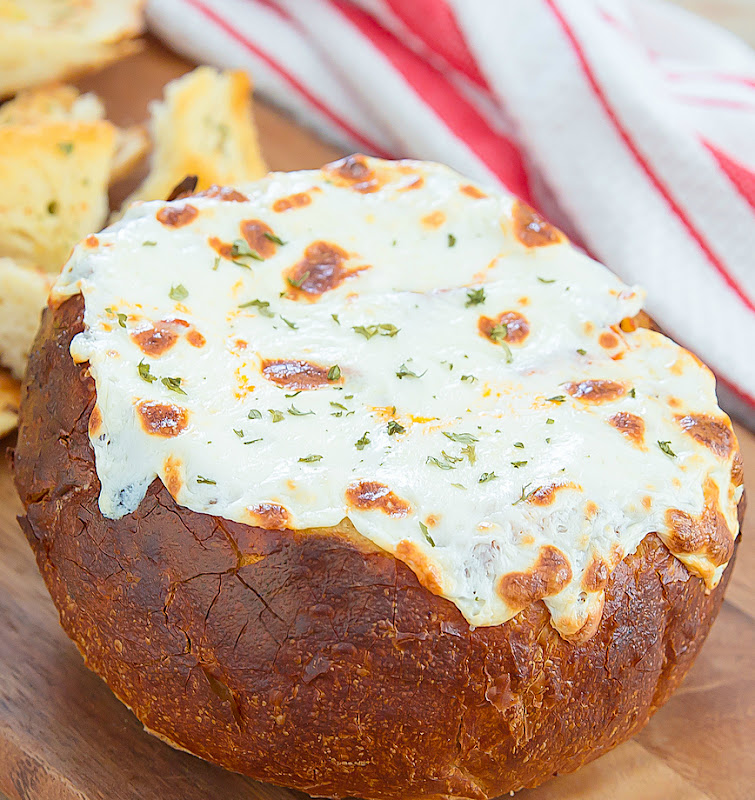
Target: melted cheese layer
{"type": "Point", "coordinates": [385, 343]}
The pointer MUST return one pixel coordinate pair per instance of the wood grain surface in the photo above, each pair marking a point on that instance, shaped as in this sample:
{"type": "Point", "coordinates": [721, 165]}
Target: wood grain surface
{"type": "Point", "coordinates": [63, 736]}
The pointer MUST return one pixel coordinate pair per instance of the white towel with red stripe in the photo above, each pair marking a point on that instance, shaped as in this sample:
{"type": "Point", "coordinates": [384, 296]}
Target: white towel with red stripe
{"type": "Point", "coordinates": [629, 123]}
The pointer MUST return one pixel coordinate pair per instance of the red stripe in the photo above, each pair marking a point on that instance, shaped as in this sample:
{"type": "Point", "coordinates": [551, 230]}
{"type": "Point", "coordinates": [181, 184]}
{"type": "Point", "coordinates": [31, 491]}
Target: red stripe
{"type": "Point", "coordinates": [498, 153]}
{"type": "Point", "coordinates": [742, 177]}
{"type": "Point", "coordinates": [295, 83]}
{"type": "Point", "coordinates": [713, 259]}
{"type": "Point", "coordinates": [434, 24]}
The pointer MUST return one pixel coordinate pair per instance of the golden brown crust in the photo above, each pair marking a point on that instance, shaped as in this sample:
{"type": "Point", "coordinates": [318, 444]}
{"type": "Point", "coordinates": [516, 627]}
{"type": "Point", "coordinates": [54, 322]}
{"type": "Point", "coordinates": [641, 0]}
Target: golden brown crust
{"type": "Point", "coordinates": [314, 660]}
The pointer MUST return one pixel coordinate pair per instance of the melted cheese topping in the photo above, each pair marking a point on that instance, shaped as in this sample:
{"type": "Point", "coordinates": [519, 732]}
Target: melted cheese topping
{"type": "Point", "coordinates": [385, 343]}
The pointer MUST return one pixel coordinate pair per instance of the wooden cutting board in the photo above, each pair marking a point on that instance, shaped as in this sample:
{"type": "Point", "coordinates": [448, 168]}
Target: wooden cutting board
{"type": "Point", "coordinates": [63, 736]}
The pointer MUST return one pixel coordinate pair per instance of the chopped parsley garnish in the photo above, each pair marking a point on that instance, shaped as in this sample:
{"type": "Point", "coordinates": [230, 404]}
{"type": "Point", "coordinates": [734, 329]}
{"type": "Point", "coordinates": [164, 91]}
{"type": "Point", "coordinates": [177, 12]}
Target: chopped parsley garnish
{"type": "Point", "coordinates": [487, 476]}
{"type": "Point", "coordinates": [288, 322]}
{"type": "Point", "coordinates": [468, 378]}
{"type": "Point", "coordinates": [518, 444]}
{"type": "Point", "coordinates": [498, 335]}
{"type": "Point", "coordinates": [239, 432]}
{"type": "Point", "coordinates": [360, 444]}
{"type": "Point", "coordinates": [144, 372]}
{"type": "Point", "coordinates": [338, 405]}
{"type": "Point", "coordinates": [525, 495]}
{"type": "Point", "coordinates": [426, 533]}
{"type": "Point", "coordinates": [474, 297]}
{"type": "Point", "coordinates": [517, 464]}
{"type": "Point", "coordinates": [294, 411]}
{"type": "Point", "coordinates": [462, 438]}
{"type": "Point", "coordinates": [335, 319]}
{"type": "Point", "coordinates": [202, 479]}
{"type": "Point", "coordinates": [179, 292]}
{"type": "Point", "coordinates": [470, 452]}
{"type": "Point", "coordinates": [459, 486]}
{"type": "Point", "coordinates": [405, 372]}
{"type": "Point", "coordinates": [293, 394]}
{"type": "Point", "coordinates": [546, 280]}
{"type": "Point", "coordinates": [252, 441]}
{"type": "Point", "coordinates": [446, 462]}
{"type": "Point", "coordinates": [254, 414]}
{"type": "Point", "coordinates": [451, 240]}
{"type": "Point", "coordinates": [216, 264]}
{"type": "Point", "coordinates": [271, 237]}
{"type": "Point", "coordinates": [558, 398]}
{"type": "Point", "coordinates": [277, 416]}
{"type": "Point", "coordinates": [395, 427]}
{"type": "Point", "coordinates": [382, 329]}
{"type": "Point", "coordinates": [241, 249]}
{"type": "Point", "coordinates": [632, 392]}
{"type": "Point", "coordinates": [548, 440]}
{"type": "Point", "coordinates": [666, 447]}
{"type": "Point", "coordinates": [174, 384]}
{"type": "Point", "coordinates": [52, 207]}
{"type": "Point", "coordinates": [310, 458]}
{"type": "Point", "coordinates": [581, 351]}
{"type": "Point", "coordinates": [122, 320]}
{"type": "Point", "coordinates": [334, 373]}
{"type": "Point", "coordinates": [299, 281]}
{"type": "Point", "coordinates": [262, 306]}
{"type": "Point", "coordinates": [66, 148]}
{"type": "Point", "coordinates": [149, 244]}
{"type": "Point", "coordinates": [549, 421]}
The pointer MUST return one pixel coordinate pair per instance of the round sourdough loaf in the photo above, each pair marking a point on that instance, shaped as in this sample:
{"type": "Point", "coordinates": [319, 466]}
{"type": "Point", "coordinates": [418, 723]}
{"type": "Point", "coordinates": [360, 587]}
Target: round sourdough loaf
{"type": "Point", "coordinates": [317, 658]}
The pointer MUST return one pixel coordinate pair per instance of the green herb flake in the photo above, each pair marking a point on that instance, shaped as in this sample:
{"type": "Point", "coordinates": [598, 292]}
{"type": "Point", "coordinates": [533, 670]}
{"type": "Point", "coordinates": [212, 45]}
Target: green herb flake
{"type": "Point", "coordinates": [517, 464]}
{"type": "Point", "coordinates": [144, 372]}
{"type": "Point", "coordinates": [294, 411]}
{"type": "Point", "coordinates": [288, 322]}
{"type": "Point", "coordinates": [546, 280]}
{"type": "Point", "coordinates": [174, 384]}
{"type": "Point", "coordinates": [297, 284]}
{"type": "Point", "coordinates": [202, 479]}
{"type": "Point", "coordinates": [451, 240]}
{"type": "Point", "coordinates": [241, 249]}
{"type": "Point", "coordinates": [474, 297]}
{"type": "Point", "coordinates": [548, 440]}
{"type": "Point", "coordinates": [632, 393]}
{"type": "Point", "coordinates": [558, 398]}
{"type": "Point", "coordinates": [334, 373]}
{"type": "Point", "coordinates": [426, 533]}
{"type": "Point", "coordinates": [252, 441]}
{"type": "Point", "coordinates": [254, 414]}
{"type": "Point", "coordinates": [239, 432]}
{"type": "Point", "coordinates": [498, 335]}
{"type": "Point", "coordinates": [66, 148]}
{"type": "Point", "coordinates": [271, 237]}
{"type": "Point", "coordinates": [459, 486]}
{"type": "Point", "coordinates": [277, 416]}
{"type": "Point", "coordinates": [52, 207]}
{"type": "Point", "coordinates": [581, 351]}
{"type": "Point", "coordinates": [487, 476]}
{"type": "Point", "coordinates": [518, 444]}
{"type": "Point", "coordinates": [262, 306]}
{"type": "Point", "coordinates": [470, 452]}
{"type": "Point", "coordinates": [122, 320]}
{"type": "Point", "coordinates": [382, 329]}
{"type": "Point", "coordinates": [405, 372]}
{"type": "Point", "coordinates": [395, 427]}
{"type": "Point", "coordinates": [294, 394]}
{"type": "Point", "coordinates": [216, 264]}
{"type": "Point", "coordinates": [525, 495]}
{"type": "Point", "coordinates": [178, 293]}
{"type": "Point", "coordinates": [549, 421]}
{"type": "Point", "coordinates": [149, 244]}
{"type": "Point", "coordinates": [441, 464]}
{"type": "Point", "coordinates": [310, 459]}
{"type": "Point", "coordinates": [462, 438]}
{"type": "Point", "coordinates": [335, 319]}
{"type": "Point", "coordinates": [666, 447]}
{"type": "Point", "coordinates": [468, 378]}
{"type": "Point", "coordinates": [360, 444]}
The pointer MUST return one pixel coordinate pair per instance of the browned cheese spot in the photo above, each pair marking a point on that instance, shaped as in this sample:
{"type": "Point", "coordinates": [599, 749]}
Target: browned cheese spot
{"type": "Point", "coordinates": [517, 327]}
{"type": "Point", "coordinates": [195, 338]}
{"type": "Point", "coordinates": [298, 200]}
{"type": "Point", "coordinates": [674, 402]}
{"type": "Point", "coordinates": [155, 338]}
{"type": "Point", "coordinates": [737, 470]}
{"type": "Point", "coordinates": [91, 240]}
{"type": "Point", "coordinates": [297, 374]}
{"type": "Point", "coordinates": [221, 248]}
{"type": "Point", "coordinates": [707, 534]}
{"type": "Point", "coordinates": [596, 391]}
{"type": "Point", "coordinates": [632, 426]}
{"type": "Point", "coordinates": [177, 216]}
{"type": "Point", "coordinates": [547, 576]}
{"type": "Point", "coordinates": [224, 193]}
{"type": "Point", "coordinates": [95, 421]}
{"type": "Point", "coordinates": [714, 433]}
{"type": "Point", "coordinates": [608, 340]}
{"type": "Point", "coordinates": [531, 229]}
{"type": "Point", "coordinates": [321, 270]}
{"type": "Point", "coordinates": [427, 573]}
{"type": "Point", "coordinates": [545, 495]}
{"type": "Point", "coordinates": [417, 183]}
{"type": "Point", "coordinates": [254, 230]}
{"type": "Point", "coordinates": [173, 480]}
{"type": "Point", "coordinates": [434, 219]}
{"type": "Point", "coordinates": [374, 496]}
{"type": "Point", "coordinates": [355, 172]}
{"type": "Point", "coordinates": [473, 191]}
{"type": "Point", "coordinates": [162, 419]}
{"type": "Point", "coordinates": [270, 516]}
{"type": "Point", "coordinates": [596, 575]}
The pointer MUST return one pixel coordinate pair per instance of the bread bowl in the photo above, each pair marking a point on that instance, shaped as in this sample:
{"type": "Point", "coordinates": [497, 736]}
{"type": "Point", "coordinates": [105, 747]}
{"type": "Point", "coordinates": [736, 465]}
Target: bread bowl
{"type": "Point", "coordinates": [334, 613]}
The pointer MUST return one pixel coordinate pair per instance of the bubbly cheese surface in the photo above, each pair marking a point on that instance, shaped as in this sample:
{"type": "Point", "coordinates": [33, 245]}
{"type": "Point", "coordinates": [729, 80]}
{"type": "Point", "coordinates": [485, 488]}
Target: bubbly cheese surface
{"type": "Point", "coordinates": [386, 343]}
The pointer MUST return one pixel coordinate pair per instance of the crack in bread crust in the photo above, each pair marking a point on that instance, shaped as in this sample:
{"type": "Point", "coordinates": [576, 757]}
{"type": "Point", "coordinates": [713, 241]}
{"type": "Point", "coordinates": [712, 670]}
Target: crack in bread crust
{"type": "Point", "coordinates": [263, 650]}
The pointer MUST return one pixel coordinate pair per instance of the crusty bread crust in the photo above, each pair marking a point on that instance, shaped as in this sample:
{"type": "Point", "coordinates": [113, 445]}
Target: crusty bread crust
{"type": "Point", "coordinates": [315, 660]}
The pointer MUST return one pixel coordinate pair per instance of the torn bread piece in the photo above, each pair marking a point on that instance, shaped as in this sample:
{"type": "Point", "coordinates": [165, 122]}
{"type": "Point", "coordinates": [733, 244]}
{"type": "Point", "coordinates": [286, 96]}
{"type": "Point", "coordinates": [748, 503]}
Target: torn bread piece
{"type": "Point", "coordinates": [53, 187]}
{"type": "Point", "coordinates": [44, 40]}
{"type": "Point", "coordinates": [23, 295]}
{"type": "Point", "coordinates": [203, 127]}
{"type": "Point", "coordinates": [60, 102]}
{"type": "Point", "coordinates": [10, 398]}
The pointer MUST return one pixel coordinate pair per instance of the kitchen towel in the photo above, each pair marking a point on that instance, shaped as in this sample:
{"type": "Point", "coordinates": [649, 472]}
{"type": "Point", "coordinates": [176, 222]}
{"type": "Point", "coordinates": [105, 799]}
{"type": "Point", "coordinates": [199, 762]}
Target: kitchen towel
{"type": "Point", "coordinates": [629, 123]}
